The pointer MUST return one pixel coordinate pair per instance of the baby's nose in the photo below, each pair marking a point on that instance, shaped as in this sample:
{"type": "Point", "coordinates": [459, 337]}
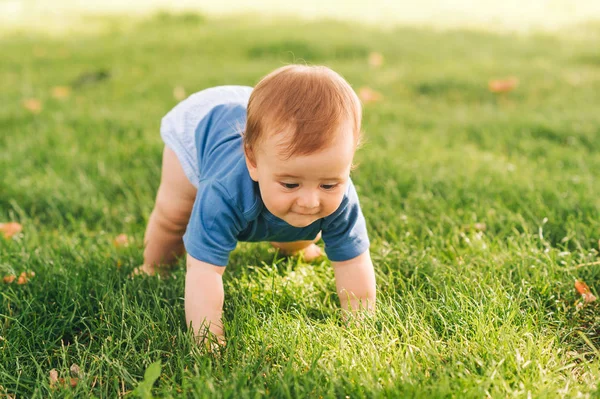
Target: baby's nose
{"type": "Point", "coordinates": [309, 200]}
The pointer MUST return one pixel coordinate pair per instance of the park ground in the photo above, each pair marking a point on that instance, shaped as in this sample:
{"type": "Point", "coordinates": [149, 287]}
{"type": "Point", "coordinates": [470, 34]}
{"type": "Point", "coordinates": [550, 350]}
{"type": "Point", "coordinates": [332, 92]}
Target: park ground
{"type": "Point", "coordinates": [478, 181]}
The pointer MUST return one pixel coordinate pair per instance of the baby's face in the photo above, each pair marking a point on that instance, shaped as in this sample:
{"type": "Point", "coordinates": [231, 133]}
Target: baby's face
{"type": "Point", "coordinates": [303, 188]}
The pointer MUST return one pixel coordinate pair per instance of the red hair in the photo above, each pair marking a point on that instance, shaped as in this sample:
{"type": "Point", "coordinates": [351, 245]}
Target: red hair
{"type": "Point", "coordinates": [312, 102]}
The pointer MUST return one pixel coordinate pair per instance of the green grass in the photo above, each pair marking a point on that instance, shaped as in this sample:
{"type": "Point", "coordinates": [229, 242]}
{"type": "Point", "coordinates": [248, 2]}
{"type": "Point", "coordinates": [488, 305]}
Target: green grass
{"type": "Point", "coordinates": [461, 312]}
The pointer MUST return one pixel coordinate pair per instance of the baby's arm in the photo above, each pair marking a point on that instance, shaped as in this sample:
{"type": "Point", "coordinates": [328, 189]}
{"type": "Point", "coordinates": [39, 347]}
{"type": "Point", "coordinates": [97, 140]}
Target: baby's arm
{"type": "Point", "coordinates": [355, 281]}
{"type": "Point", "coordinates": [204, 297]}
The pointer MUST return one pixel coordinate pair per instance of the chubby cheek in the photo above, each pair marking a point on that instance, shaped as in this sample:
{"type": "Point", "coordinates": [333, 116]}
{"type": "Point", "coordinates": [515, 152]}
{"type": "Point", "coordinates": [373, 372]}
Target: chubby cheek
{"type": "Point", "coordinates": [277, 203]}
{"type": "Point", "coordinates": [332, 204]}
{"type": "Point", "coordinates": [280, 204]}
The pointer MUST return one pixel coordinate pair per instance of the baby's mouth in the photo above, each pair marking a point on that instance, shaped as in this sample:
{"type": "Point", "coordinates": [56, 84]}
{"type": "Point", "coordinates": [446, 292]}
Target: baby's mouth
{"type": "Point", "coordinates": [307, 214]}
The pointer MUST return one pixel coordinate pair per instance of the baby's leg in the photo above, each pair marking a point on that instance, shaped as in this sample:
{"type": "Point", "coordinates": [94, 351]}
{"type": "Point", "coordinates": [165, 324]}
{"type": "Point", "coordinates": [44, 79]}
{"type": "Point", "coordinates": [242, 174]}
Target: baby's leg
{"type": "Point", "coordinates": [168, 221]}
{"type": "Point", "coordinates": [309, 248]}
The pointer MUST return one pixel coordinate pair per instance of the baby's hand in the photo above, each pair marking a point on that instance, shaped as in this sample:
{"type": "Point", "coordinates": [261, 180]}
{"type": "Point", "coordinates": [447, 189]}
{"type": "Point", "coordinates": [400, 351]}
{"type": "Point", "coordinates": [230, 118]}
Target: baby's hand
{"type": "Point", "coordinates": [210, 341]}
{"type": "Point", "coordinates": [213, 343]}
{"type": "Point", "coordinates": [357, 317]}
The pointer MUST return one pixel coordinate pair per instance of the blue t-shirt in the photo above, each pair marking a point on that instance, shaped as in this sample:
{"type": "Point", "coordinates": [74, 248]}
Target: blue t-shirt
{"type": "Point", "coordinates": [229, 208]}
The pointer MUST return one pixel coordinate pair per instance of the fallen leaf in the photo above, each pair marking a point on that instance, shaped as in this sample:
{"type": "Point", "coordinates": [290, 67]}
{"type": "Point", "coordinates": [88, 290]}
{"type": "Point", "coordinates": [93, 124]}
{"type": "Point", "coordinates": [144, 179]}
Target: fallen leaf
{"type": "Point", "coordinates": [56, 382]}
{"type": "Point", "coordinates": [121, 241]}
{"type": "Point", "coordinates": [23, 279]}
{"type": "Point", "coordinates": [9, 279]}
{"type": "Point", "coordinates": [503, 85]}
{"type": "Point", "coordinates": [179, 93]}
{"type": "Point", "coordinates": [33, 105]}
{"type": "Point", "coordinates": [368, 95]}
{"type": "Point", "coordinates": [375, 59]}
{"type": "Point", "coordinates": [583, 290]}
{"type": "Point", "coordinates": [10, 229]}
{"type": "Point", "coordinates": [75, 371]}
{"type": "Point", "coordinates": [61, 92]}
{"type": "Point", "coordinates": [53, 378]}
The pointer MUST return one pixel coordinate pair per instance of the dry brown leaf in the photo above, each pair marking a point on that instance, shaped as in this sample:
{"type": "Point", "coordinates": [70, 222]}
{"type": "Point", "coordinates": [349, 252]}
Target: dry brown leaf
{"type": "Point", "coordinates": [23, 279]}
{"type": "Point", "coordinates": [503, 85]}
{"type": "Point", "coordinates": [33, 105]}
{"type": "Point", "coordinates": [53, 378]}
{"type": "Point", "coordinates": [583, 290]}
{"type": "Point", "coordinates": [75, 370]}
{"type": "Point", "coordinates": [121, 241]}
{"type": "Point", "coordinates": [9, 279]}
{"type": "Point", "coordinates": [61, 92]}
{"type": "Point", "coordinates": [375, 59]}
{"type": "Point", "coordinates": [10, 229]}
{"type": "Point", "coordinates": [368, 95]}
{"type": "Point", "coordinates": [56, 382]}
{"type": "Point", "coordinates": [179, 93]}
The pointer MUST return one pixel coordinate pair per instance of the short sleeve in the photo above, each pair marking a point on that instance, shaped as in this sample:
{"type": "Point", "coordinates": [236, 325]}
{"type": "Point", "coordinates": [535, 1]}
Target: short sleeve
{"type": "Point", "coordinates": [345, 231]}
{"type": "Point", "coordinates": [178, 127]}
{"type": "Point", "coordinates": [213, 227]}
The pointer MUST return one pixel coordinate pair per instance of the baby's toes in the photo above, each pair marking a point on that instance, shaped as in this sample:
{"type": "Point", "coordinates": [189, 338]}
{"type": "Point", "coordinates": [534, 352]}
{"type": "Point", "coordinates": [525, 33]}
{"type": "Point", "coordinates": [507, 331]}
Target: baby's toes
{"type": "Point", "coordinates": [143, 270]}
{"type": "Point", "coordinates": [147, 270]}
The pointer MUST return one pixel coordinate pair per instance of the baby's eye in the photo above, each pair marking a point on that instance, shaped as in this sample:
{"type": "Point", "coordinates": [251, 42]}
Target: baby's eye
{"type": "Point", "coordinates": [289, 186]}
{"type": "Point", "coordinates": [328, 186]}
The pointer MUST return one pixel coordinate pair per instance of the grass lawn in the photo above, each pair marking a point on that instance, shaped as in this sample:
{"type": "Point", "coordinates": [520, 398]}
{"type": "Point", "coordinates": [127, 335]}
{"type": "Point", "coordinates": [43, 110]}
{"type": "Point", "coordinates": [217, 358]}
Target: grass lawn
{"type": "Point", "coordinates": [480, 207]}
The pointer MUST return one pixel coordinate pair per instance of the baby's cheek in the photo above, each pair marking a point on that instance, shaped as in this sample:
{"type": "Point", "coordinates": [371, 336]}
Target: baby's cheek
{"type": "Point", "coordinates": [333, 205]}
{"type": "Point", "coordinates": [279, 202]}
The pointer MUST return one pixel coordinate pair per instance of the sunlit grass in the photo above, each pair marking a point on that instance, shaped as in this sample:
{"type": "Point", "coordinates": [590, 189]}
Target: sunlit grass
{"type": "Point", "coordinates": [480, 207]}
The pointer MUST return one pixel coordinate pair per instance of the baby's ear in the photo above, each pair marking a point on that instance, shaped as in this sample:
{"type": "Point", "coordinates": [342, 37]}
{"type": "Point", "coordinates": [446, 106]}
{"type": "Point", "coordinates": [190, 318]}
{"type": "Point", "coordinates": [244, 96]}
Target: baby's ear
{"type": "Point", "coordinates": [250, 162]}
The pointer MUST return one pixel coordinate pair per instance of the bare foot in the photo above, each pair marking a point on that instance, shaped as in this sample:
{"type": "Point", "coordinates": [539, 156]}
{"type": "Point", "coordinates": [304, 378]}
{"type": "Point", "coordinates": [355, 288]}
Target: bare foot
{"type": "Point", "coordinates": [148, 270]}
{"type": "Point", "coordinates": [309, 253]}
{"type": "Point", "coordinates": [312, 252]}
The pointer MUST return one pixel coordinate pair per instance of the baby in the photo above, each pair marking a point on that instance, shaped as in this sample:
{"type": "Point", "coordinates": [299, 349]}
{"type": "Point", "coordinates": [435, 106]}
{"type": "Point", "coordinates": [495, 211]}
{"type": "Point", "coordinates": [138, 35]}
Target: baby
{"type": "Point", "coordinates": [265, 164]}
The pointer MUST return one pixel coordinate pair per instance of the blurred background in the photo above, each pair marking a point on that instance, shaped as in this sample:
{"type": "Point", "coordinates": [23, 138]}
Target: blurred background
{"type": "Point", "coordinates": [487, 14]}
{"type": "Point", "coordinates": [478, 181]}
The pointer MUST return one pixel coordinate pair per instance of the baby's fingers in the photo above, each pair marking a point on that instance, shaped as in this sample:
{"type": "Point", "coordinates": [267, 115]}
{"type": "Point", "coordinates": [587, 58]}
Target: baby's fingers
{"type": "Point", "coordinates": [212, 343]}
